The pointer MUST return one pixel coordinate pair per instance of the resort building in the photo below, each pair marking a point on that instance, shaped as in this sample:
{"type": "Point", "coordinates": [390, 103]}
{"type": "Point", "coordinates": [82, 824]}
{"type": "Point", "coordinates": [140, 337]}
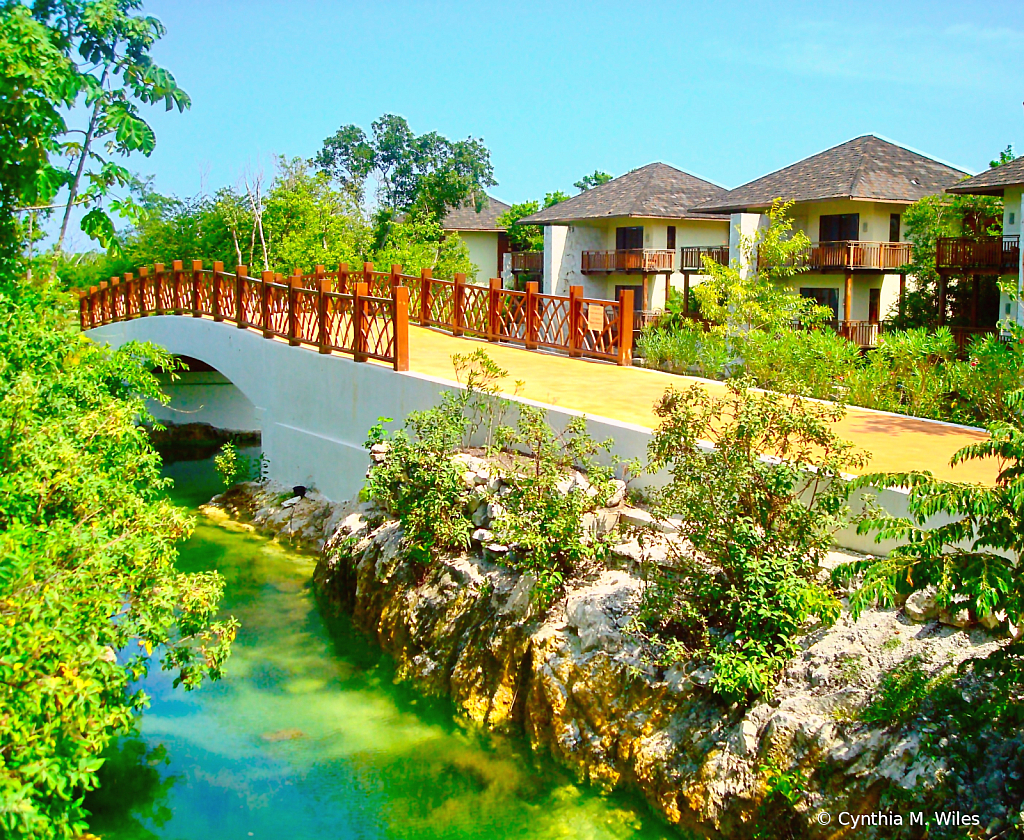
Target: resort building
{"type": "Point", "coordinates": [484, 237]}
{"type": "Point", "coordinates": [983, 259]}
{"type": "Point", "coordinates": [849, 201]}
{"type": "Point", "coordinates": [637, 231]}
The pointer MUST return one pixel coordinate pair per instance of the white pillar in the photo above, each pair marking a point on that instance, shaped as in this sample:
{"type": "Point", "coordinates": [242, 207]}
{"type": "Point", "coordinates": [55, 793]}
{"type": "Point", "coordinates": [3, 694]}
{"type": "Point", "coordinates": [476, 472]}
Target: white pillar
{"type": "Point", "coordinates": [554, 251]}
{"type": "Point", "coordinates": [742, 225]}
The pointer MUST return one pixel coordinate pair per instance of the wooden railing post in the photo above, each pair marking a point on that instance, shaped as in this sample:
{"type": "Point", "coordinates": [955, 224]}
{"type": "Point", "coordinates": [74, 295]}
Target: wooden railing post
{"type": "Point", "coordinates": [141, 290]}
{"type": "Point", "coordinates": [493, 311]}
{"type": "Point", "coordinates": [343, 279]}
{"type": "Point", "coordinates": [176, 283]}
{"type": "Point", "coordinates": [625, 355]}
{"type": "Point", "coordinates": [323, 335]}
{"type": "Point", "coordinates": [83, 311]}
{"type": "Point", "coordinates": [197, 288]}
{"type": "Point", "coordinates": [396, 276]}
{"type": "Point", "coordinates": [359, 291]}
{"type": "Point", "coordinates": [458, 318]}
{"type": "Point", "coordinates": [368, 277]}
{"type": "Point", "coordinates": [115, 297]}
{"type": "Point", "coordinates": [94, 305]}
{"type": "Point", "coordinates": [293, 307]}
{"type": "Point", "coordinates": [531, 315]}
{"type": "Point", "coordinates": [158, 288]}
{"type": "Point", "coordinates": [576, 320]}
{"type": "Point", "coordinates": [400, 313]}
{"type": "Point", "coordinates": [126, 296]}
{"type": "Point", "coordinates": [241, 290]}
{"type": "Point", "coordinates": [218, 279]}
{"type": "Point", "coordinates": [268, 278]}
{"type": "Point", "coordinates": [425, 286]}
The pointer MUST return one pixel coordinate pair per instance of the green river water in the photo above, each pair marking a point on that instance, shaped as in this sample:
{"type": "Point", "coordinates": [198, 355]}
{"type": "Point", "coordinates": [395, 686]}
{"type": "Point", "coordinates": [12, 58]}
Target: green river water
{"type": "Point", "coordinates": [308, 737]}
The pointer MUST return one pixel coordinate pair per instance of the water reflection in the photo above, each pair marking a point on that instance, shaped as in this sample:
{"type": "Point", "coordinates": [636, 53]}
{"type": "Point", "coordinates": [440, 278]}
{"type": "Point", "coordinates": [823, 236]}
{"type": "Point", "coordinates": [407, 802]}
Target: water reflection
{"type": "Point", "coordinates": [308, 737]}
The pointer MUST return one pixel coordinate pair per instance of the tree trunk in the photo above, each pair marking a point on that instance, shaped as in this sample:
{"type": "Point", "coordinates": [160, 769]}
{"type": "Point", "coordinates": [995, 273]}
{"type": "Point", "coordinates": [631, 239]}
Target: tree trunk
{"type": "Point", "coordinates": [89, 135]}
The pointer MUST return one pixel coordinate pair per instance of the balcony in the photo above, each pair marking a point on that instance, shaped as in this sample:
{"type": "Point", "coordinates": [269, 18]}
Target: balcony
{"type": "Point", "coordinates": [855, 256]}
{"type": "Point", "coordinates": [691, 256]}
{"type": "Point", "coordinates": [527, 262]}
{"type": "Point", "coordinates": [984, 255]}
{"type": "Point", "coordinates": [632, 261]}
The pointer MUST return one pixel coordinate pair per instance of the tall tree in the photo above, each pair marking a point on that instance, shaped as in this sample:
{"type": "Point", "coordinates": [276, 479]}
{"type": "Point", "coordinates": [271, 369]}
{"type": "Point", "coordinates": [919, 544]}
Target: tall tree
{"type": "Point", "coordinates": [527, 237]}
{"type": "Point", "coordinates": [108, 48]}
{"type": "Point", "coordinates": [428, 172]}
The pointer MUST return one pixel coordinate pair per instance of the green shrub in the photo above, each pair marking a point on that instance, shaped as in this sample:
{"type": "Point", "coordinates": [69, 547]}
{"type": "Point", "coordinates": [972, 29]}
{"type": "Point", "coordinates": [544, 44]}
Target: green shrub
{"type": "Point", "coordinates": [903, 691]}
{"type": "Point", "coordinates": [234, 467]}
{"type": "Point", "coordinates": [686, 348]}
{"type": "Point", "coordinates": [973, 560]}
{"type": "Point", "coordinates": [758, 526]}
{"type": "Point", "coordinates": [811, 363]}
{"type": "Point", "coordinates": [541, 515]}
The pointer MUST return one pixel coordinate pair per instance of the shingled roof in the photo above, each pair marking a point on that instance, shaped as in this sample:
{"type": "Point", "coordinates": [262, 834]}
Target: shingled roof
{"type": "Point", "coordinates": [993, 181]}
{"type": "Point", "coordinates": [866, 168]}
{"type": "Point", "coordinates": [466, 217]}
{"type": "Point", "coordinates": [656, 191]}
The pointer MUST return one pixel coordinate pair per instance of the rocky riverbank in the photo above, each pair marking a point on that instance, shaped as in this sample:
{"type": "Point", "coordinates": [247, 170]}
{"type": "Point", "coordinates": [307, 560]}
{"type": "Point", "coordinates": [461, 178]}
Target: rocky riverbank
{"type": "Point", "coordinates": [574, 681]}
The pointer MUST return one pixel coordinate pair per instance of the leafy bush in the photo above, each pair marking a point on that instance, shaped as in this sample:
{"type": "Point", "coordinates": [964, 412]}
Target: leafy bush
{"type": "Point", "coordinates": [234, 467]}
{"type": "Point", "coordinates": [541, 515]}
{"type": "Point", "coordinates": [903, 691]}
{"type": "Point", "coordinates": [973, 561]}
{"type": "Point", "coordinates": [810, 363]}
{"type": "Point", "coordinates": [759, 507]}
{"type": "Point", "coordinates": [88, 584]}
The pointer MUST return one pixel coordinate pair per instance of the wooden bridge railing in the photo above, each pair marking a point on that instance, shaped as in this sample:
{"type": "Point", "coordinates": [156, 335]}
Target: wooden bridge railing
{"type": "Point", "coordinates": [365, 313]}
{"type": "Point", "coordinates": [304, 310]}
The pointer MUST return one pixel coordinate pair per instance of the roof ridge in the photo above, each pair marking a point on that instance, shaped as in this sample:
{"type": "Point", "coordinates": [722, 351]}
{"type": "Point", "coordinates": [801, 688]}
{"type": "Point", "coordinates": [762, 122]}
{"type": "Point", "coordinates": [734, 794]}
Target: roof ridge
{"type": "Point", "coordinates": [638, 198]}
{"type": "Point", "coordinates": [862, 159]}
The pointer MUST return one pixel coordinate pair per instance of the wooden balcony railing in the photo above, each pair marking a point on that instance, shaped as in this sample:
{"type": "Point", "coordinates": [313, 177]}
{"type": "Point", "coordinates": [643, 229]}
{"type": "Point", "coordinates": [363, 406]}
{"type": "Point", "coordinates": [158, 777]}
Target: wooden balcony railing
{"type": "Point", "coordinates": [528, 262]}
{"type": "Point", "coordinates": [852, 255]}
{"type": "Point", "coordinates": [691, 256]}
{"type": "Point", "coordinates": [989, 253]}
{"type": "Point", "coordinates": [632, 261]}
{"type": "Point", "coordinates": [366, 313]}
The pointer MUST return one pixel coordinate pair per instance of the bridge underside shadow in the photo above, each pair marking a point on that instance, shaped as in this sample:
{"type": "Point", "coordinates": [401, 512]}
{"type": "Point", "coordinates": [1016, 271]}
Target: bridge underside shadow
{"type": "Point", "coordinates": [200, 393]}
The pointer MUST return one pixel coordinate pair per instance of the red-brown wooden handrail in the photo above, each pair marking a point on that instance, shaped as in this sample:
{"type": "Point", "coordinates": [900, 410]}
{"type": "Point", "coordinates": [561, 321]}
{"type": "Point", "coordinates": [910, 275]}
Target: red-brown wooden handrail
{"type": "Point", "coordinates": [365, 313]}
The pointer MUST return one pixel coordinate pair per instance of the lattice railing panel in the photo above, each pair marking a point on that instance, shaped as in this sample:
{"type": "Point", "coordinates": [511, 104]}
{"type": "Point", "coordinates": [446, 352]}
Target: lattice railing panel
{"type": "Point", "coordinates": [475, 309]}
{"type": "Point", "coordinates": [306, 318]}
{"type": "Point", "coordinates": [552, 321]}
{"type": "Point", "coordinates": [378, 330]}
{"type": "Point", "coordinates": [512, 316]}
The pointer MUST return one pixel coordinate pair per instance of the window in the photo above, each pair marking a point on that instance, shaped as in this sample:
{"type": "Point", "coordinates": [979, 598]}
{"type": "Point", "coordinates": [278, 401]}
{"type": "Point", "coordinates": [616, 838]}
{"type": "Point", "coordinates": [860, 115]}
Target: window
{"type": "Point", "coordinates": [1013, 219]}
{"type": "Point", "coordinates": [894, 227]}
{"type": "Point", "coordinates": [823, 297]}
{"type": "Point", "coordinates": [638, 296]}
{"type": "Point", "coordinates": [840, 227]}
{"type": "Point", "coordinates": [629, 238]}
{"type": "Point", "coordinates": [670, 237]}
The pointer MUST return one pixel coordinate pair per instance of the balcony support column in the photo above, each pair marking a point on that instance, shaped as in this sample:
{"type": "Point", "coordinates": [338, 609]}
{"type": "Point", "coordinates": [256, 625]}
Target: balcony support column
{"type": "Point", "coordinates": [643, 303]}
{"type": "Point", "coordinates": [848, 298]}
{"type": "Point", "coordinates": [686, 293]}
{"type": "Point", "coordinates": [942, 299]}
{"type": "Point", "coordinates": [903, 294]}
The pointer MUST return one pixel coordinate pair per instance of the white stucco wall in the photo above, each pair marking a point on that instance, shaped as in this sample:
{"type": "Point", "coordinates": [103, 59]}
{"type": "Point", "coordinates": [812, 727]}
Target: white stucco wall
{"type": "Point", "coordinates": [483, 253]}
{"type": "Point", "coordinates": [1013, 210]}
{"type": "Point", "coordinates": [565, 256]}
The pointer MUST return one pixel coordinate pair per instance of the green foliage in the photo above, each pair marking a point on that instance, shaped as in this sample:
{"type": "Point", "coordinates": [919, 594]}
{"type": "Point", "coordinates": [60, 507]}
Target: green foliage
{"type": "Point", "coordinates": [234, 467]}
{"type": "Point", "coordinates": [904, 689]}
{"type": "Point", "coordinates": [541, 517]}
{"type": "Point", "coordinates": [809, 363]}
{"type": "Point", "coordinates": [428, 171]}
{"type": "Point", "coordinates": [752, 491]}
{"type": "Point", "coordinates": [760, 299]}
{"type": "Point", "coordinates": [686, 349]}
{"type": "Point", "coordinates": [596, 179]}
{"type": "Point", "coordinates": [973, 560]}
{"type": "Point", "coordinates": [1005, 156]}
{"type": "Point", "coordinates": [88, 585]}
{"type": "Point", "coordinates": [539, 513]}
{"type": "Point", "coordinates": [924, 222]}
{"type": "Point", "coordinates": [527, 237]}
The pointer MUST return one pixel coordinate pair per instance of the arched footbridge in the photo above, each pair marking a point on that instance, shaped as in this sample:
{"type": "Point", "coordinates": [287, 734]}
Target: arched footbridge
{"type": "Point", "coordinates": [316, 359]}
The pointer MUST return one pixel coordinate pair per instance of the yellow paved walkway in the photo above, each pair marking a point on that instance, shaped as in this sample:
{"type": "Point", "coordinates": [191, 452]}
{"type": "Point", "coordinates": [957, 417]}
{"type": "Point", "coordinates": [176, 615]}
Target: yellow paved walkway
{"type": "Point", "coordinates": [628, 395]}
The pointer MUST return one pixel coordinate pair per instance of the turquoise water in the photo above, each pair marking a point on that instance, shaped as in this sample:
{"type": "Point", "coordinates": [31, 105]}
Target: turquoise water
{"type": "Point", "coordinates": [308, 737]}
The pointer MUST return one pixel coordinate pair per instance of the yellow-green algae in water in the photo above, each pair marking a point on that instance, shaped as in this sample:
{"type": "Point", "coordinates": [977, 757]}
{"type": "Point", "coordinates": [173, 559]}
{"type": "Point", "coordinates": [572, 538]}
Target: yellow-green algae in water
{"type": "Point", "coordinates": [308, 737]}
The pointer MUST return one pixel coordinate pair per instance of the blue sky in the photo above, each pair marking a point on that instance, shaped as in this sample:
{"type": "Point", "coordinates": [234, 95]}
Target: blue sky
{"type": "Point", "coordinates": [728, 91]}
